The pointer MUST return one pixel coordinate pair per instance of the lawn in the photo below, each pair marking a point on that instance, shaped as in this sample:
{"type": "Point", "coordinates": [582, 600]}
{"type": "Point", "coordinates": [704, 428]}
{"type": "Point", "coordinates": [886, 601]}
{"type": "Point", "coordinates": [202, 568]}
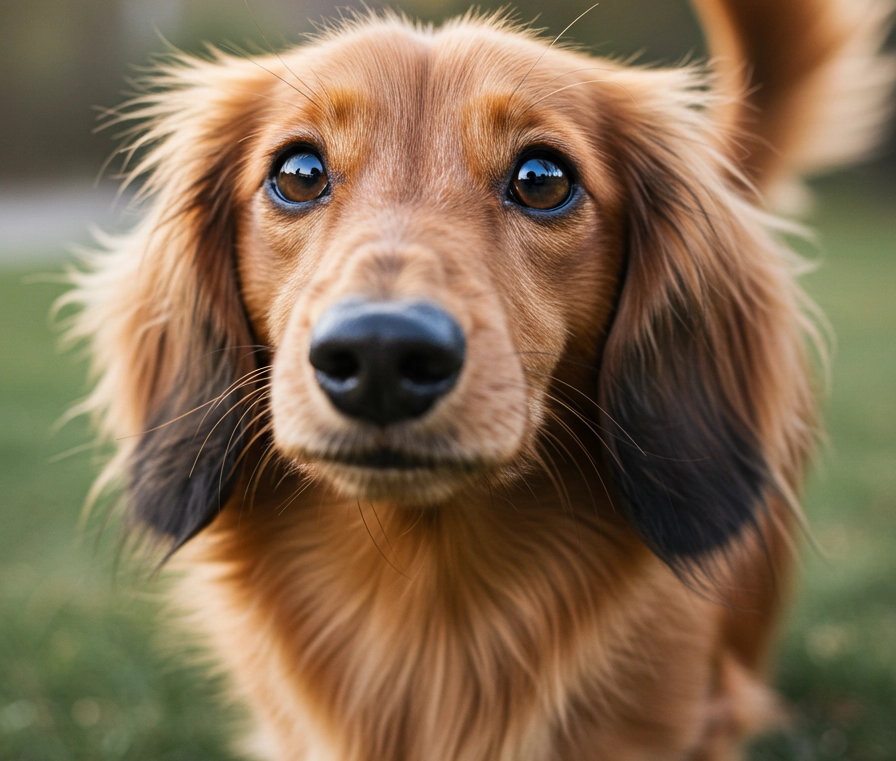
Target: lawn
{"type": "Point", "coordinates": [83, 673]}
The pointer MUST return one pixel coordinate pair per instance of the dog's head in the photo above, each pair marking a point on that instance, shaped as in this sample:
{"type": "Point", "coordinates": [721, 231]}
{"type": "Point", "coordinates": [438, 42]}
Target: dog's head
{"type": "Point", "coordinates": [405, 252]}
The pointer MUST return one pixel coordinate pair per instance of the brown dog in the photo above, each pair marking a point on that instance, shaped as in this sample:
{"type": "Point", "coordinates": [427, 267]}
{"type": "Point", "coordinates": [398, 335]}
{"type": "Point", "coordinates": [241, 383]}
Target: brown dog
{"type": "Point", "coordinates": [474, 373]}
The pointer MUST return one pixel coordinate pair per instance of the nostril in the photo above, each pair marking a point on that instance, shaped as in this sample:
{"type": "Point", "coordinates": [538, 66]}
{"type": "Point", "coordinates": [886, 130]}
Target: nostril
{"type": "Point", "coordinates": [339, 364]}
{"type": "Point", "coordinates": [431, 366]}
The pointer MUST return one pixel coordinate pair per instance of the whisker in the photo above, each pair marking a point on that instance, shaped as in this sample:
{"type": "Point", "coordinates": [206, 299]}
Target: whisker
{"type": "Point", "coordinates": [591, 460]}
{"type": "Point", "coordinates": [279, 58]}
{"type": "Point", "coordinates": [555, 442]}
{"type": "Point", "coordinates": [245, 380]}
{"type": "Point", "coordinates": [213, 402]}
{"type": "Point", "coordinates": [413, 525]}
{"type": "Point", "coordinates": [325, 91]}
{"type": "Point", "coordinates": [587, 423]}
{"type": "Point", "coordinates": [252, 485]}
{"type": "Point", "coordinates": [287, 472]}
{"type": "Point", "coordinates": [261, 398]}
{"type": "Point", "coordinates": [385, 535]}
{"type": "Point", "coordinates": [579, 84]}
{"type": "Point", "coordinates": [256, 347]}
{"type": "Point", "coordinates": [553, 42]}
{"type": "Point", "coordinates": [168, 422]}
{"type": "Point", "coordinates": [532, 492]}
{"type": "Point", "coordinates": [590, 424]}
{"type": "Point", "coordinates": [215, 426]}
{"type": "Point", "coordinates": [265, 429]}
{"type": "Point", "coordinates": [553, 475]}
{"type": "Point", "coordinates": [635, 444]}
{"type": "Point", "coordinates": [242, 400]}
{"type": "Point", "coordinates": [591, 401]}
{"type": "Point", "coordinates": [379, 549]}
{"type": "Point", "coordinates": [559, 356]}
{"type": "Point", "coordinates": [282, 508]}
{"type": "Point", "coordinates": [575, 71]}
{"type": "Point", "coordinates": [505, 497]}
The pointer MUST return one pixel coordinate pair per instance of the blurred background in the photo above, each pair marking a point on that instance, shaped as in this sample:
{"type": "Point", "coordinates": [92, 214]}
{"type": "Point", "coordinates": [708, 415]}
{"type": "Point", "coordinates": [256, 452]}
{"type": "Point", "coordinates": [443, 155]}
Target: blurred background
{"type": "Point", "coordinates": [85, 669]}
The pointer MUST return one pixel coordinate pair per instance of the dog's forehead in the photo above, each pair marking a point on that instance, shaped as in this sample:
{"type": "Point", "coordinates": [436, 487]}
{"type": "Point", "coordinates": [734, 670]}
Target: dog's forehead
{"type": "Point", "coordinates": [462, 58]}
{"type": "Point", "coordinates": [391, 83]}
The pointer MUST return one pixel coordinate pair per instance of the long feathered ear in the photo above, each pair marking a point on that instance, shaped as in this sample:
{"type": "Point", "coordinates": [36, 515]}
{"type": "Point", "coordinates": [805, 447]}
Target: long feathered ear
{"type": "Point", "coordinates": [161, 307]}
{"type": "Point", "coordinates": [704, 380]}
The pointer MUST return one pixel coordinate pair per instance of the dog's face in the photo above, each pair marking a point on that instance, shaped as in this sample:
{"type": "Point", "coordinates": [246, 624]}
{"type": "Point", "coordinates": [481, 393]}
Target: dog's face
{"type": "Point", "coordinates": [429, 233]}
{"type": "Point", "coordinates": [443, 241]}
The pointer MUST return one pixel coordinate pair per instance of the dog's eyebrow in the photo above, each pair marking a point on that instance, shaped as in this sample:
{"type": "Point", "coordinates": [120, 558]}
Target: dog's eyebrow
{"type": "Point", "coordinates": [506, 107]}
{"type": "Point", "coordinates": [500, 107]}
{"type": "Point", "coordinates": [342, 103]}
{"type": "Point", "coordinates": [503, 112]}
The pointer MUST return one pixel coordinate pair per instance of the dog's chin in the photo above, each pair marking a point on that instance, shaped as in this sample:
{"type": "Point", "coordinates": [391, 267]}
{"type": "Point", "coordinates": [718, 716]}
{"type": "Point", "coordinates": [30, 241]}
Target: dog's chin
{"type": "Point", "coordinates": [393, 476]}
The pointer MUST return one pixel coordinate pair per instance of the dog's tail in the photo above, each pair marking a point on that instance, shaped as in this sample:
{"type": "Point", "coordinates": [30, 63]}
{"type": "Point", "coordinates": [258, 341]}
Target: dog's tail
{"type": "Point", "coordinates": [813, 88]}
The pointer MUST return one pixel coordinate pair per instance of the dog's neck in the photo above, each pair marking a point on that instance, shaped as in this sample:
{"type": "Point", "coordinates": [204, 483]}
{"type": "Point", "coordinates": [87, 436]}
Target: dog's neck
{"type": "Point", "coordinates": [388, 596]}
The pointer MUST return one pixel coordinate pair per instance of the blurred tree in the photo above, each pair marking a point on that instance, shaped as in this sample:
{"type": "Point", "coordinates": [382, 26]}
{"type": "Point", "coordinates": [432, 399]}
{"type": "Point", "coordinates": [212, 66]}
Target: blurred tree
{"type": "Point", "coordinates": [57, 58]}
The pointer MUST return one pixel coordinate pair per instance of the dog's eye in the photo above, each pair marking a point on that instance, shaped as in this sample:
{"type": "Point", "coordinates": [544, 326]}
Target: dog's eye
{"type": "Point", "coordinates": [300, 177]}
{"type": "Point", "coordinates": [540, 182]}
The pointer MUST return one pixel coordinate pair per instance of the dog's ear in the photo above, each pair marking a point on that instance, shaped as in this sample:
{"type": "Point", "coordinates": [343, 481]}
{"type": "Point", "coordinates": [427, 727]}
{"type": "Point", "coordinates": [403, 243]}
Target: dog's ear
{"type": "Point", "coordinates": [161, 307]}
{"type": "Point", "coordinates": [703, 385]}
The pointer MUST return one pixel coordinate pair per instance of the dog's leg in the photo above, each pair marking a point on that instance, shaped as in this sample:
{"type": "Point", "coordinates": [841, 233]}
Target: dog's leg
{"type": "Point", "coordinates": [741, 707]}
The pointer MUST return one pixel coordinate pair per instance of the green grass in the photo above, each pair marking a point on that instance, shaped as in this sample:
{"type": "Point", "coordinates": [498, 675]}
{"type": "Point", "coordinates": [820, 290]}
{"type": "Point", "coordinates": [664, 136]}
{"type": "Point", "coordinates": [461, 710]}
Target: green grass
{"type": "Point", "coordinates": [837, 664]}
{"type": "Point", "coordinates": [83, 676]}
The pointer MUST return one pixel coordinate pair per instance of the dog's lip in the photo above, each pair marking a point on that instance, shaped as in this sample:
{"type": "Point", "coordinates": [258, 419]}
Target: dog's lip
{"type": "Point", "coordinates": [391, 458]}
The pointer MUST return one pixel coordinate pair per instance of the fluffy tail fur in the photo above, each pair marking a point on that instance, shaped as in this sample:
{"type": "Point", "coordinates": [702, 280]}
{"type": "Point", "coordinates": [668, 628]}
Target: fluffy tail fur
{"type": "Point", "coordinates": [815, 89]}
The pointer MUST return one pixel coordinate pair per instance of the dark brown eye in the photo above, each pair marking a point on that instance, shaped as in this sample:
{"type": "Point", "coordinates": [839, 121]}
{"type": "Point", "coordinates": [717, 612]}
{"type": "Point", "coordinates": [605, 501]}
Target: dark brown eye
{"type": "Point", "coordinates": [300, 177]}
{"type": "Point", "coordinates": [540, 182]}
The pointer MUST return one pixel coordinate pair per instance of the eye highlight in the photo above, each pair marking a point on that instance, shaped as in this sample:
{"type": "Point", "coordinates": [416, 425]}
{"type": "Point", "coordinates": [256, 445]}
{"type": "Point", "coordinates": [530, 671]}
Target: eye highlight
{"type": "Point", "coordinates": [540, 181]}
{"type": "Point", "coordinates": [300, 176]}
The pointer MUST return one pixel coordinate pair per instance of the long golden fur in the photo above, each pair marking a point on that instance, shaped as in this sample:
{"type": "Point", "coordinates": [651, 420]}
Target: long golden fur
{"type": "Point", "coordinates": [580, 550]}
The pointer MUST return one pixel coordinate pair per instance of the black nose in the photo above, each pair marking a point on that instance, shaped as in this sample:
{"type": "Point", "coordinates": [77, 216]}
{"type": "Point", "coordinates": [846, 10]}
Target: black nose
{"type": "Point", "coordinates": [386, 361]}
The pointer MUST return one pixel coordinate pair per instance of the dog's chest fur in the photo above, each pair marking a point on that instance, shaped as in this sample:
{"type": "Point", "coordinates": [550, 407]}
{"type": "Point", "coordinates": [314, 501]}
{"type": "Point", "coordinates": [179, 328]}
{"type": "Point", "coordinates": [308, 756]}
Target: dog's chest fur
{"type": "Point", "coordinates": [464, 634]}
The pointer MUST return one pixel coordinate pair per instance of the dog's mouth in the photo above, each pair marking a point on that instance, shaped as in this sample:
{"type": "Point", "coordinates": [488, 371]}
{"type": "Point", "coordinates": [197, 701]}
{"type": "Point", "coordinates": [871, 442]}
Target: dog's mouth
{"type": "Point", "coordinates": [389, 458]}
{"type": "Point", "coordinates": [392, 473]}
